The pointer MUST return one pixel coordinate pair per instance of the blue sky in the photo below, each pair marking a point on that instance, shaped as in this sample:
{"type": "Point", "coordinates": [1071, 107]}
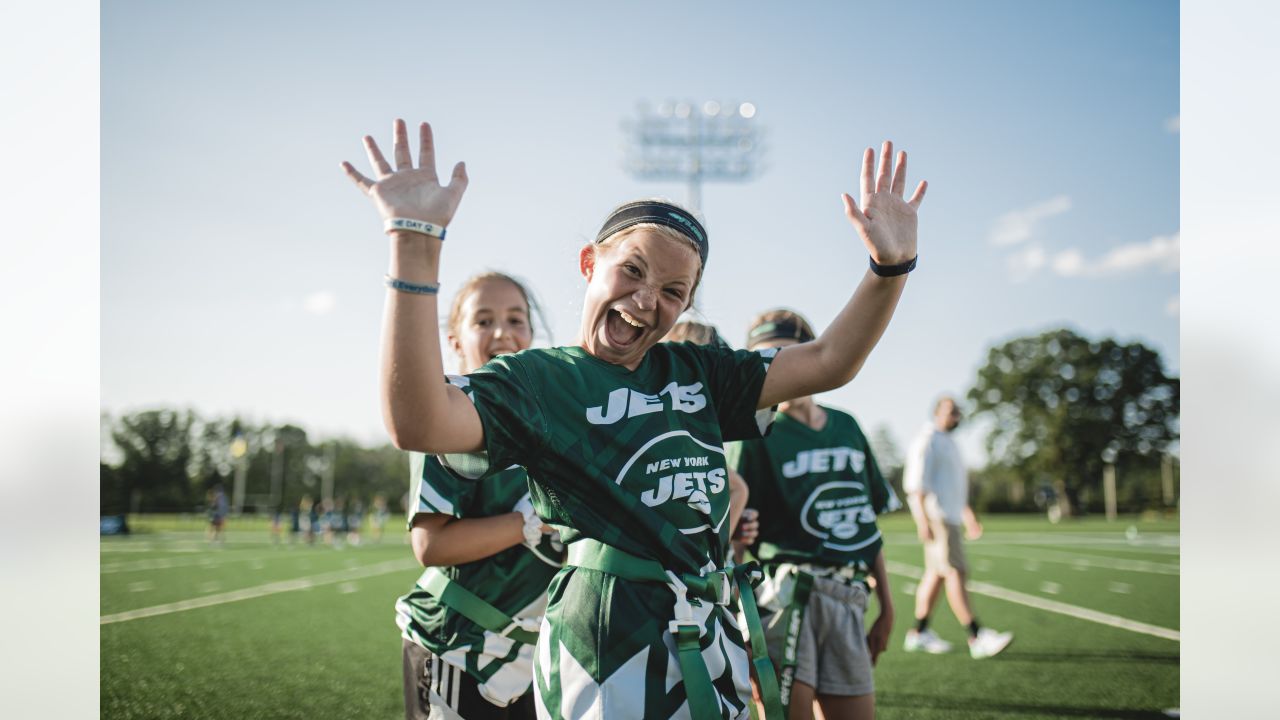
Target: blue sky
{"type": "Point", "coordinates": [241, 271]}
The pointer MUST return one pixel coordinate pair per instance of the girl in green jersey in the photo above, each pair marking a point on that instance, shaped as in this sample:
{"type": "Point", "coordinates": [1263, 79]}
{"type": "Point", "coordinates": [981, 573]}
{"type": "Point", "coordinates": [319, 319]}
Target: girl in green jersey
{"type": "Point", "coordinates": [622, 435]}
{"type": "Point", "coordinates": [820, 490]}
{"type": "Point", "coordinates": [484, 549]}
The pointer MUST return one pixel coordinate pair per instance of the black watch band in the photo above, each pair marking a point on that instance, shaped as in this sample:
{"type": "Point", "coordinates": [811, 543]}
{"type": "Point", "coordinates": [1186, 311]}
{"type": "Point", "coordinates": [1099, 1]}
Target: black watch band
{"type": "Point", "coordinates": [894, 270]}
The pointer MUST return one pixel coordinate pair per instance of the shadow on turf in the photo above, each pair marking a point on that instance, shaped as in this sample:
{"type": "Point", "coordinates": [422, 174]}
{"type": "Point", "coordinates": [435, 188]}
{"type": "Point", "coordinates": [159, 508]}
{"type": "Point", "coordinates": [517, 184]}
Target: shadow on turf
{"type": "Point", "coordinates": [1113, 656]}
{"type": "Point", "coordinates": [982, 705]}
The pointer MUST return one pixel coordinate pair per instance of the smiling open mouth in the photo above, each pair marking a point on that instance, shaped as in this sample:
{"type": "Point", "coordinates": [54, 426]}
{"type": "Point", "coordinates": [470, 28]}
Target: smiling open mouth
{"type": "Point", "coordinates": [622, 330]}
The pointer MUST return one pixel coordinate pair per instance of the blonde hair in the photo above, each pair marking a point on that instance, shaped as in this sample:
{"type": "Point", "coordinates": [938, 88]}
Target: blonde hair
{"type": "Point", "coordinates": [692, 331]}
{"type": "Point", "coordinates": [779, 315]}
{"type": "Point", "coordinates": [665, 231]}
{"type": "Point", "coordinates": [469, 286]}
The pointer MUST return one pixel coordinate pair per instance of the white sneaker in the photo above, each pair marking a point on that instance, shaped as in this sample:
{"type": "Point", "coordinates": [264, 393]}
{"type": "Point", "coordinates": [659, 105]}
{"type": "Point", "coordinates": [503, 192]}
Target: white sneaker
{"type": "Point", "coordinates": [927, 641]}
{"type": "Point", "coordinates": [988, 643]}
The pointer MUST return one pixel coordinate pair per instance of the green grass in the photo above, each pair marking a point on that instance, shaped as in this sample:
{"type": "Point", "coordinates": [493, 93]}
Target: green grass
{"type": "Point", "coordinates": [333, 650]}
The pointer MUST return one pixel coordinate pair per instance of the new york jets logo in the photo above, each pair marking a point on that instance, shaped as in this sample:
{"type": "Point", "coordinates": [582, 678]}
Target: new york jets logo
{"type": "Point", "coordinates": [683, 477]}
{"type": "Point", "coordinates": [628, 403]}
{"type": "Point", "coordinates": [836, 512]}
{"type": "Point", "coordinates": [822, 460]}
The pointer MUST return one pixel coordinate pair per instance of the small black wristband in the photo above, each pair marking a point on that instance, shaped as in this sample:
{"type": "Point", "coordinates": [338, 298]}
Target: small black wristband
{"type": "Point", "coordinates": [894, 270]}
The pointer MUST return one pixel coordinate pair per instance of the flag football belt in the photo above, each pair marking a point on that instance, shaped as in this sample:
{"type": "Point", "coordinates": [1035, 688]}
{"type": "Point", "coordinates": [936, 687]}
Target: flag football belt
{"type": "Point", "coordinates": [793, 613]}
{"type": "Point", "coordinates": [715, 587]}
{"type": "Point", "coordinates": [472, 607]}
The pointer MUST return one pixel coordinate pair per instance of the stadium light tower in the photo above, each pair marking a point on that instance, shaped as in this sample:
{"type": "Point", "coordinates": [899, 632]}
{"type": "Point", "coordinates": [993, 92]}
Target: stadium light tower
{"type": "Point", "coordinates": [680, 141]}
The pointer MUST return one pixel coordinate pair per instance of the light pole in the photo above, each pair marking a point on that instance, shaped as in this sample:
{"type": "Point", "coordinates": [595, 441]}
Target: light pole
{"type": "Point", "coordinates": [680, 141]}
{"type": "Point", "coordinates": [239, 450]}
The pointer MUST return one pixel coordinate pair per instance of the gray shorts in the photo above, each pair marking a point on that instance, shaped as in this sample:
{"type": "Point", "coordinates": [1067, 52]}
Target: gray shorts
{"type": "Point", "coordinates": [832, 654]}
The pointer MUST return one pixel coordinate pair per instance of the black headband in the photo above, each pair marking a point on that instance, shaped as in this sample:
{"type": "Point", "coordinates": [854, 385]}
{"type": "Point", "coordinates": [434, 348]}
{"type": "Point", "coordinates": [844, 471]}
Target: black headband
{"type": "Point", "coordinates": [659, 213]}
{"type": "Point", "coordinates": [786, 329]}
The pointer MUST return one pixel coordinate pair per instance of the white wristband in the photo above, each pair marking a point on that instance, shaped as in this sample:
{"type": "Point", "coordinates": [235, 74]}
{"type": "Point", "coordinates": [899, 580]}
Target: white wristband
{"type": "Point", "coordinates": [415, 226]}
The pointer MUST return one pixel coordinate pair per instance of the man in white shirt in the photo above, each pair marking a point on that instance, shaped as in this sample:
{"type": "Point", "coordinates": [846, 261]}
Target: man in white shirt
{"type": "Point", "coordinates": [937, 488]}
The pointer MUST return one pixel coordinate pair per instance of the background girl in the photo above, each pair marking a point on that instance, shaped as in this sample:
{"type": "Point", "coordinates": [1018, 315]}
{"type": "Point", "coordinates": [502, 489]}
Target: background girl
{"type": "Point", "coordinates": [820, 490]}
{"type": "Point", "coordinates": [484, 549]}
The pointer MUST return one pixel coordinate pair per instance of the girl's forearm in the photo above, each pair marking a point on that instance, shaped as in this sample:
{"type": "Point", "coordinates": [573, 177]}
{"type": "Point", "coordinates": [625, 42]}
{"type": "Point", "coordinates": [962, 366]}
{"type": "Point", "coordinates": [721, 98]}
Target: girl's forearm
{"type": "Point", "coordinates": [415, 399]}
{"type": "Point", "coordinates": [881, 575]}
{"type": "Point", "coordinates": [847, 343]}
{"type": "Point", "coordinates": [464, 540]}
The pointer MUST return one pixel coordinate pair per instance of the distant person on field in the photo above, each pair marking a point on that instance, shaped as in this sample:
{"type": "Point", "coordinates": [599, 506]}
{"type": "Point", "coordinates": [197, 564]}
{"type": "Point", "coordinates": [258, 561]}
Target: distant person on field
{"type": "Point", "coordinates": [217, 514]}
{"type": "Point", "coordinates": [310, 518]}
{"type": "Point", "coordinates": [937, 487]}
{"type": "Point", "coordinates": [378, 518]}
{"type": "Point", "coordinates": [355, 519]}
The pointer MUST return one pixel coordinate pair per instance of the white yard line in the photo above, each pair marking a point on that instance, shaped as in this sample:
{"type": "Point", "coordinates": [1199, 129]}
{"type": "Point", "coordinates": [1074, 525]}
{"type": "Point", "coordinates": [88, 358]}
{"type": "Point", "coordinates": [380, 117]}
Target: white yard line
{"type": "Point", "coordinates": [1075, 558]}
{"type": "Point", "coordinates": [302, 583]}
{"type": "Point", "coordinates": [1013, 596]}
{"type": "Point", "coordinates": [1165, 544]}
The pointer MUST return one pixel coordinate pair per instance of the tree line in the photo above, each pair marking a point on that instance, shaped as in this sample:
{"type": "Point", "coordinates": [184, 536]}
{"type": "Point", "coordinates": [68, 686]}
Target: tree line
{"type": "Point", "coordinates": [166, 460]}
{"type": "Point", "coordinates": [1061, 408]}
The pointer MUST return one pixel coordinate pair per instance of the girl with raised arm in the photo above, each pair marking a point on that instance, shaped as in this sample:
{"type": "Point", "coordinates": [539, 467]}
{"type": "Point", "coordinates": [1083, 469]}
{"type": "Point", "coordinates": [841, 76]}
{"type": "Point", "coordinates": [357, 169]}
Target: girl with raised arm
{"type": "Point", "coordinates": [622, 435]}
{"type": "Point", "coordinates": [819, 489]}
{"type": "Point", "coordinates": [469, 624]}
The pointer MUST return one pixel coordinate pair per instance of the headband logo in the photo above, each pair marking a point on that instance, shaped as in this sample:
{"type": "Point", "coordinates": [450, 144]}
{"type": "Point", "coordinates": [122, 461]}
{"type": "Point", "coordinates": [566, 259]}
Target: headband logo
{"type": "Point", "coordinates": [685, 221]}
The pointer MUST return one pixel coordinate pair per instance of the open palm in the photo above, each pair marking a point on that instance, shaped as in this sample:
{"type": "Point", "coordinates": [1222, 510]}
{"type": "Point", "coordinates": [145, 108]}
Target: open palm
{"type": "Point", "coordinates": [884, 220]}
{"type": "Point", "coordinates": [406, 191]}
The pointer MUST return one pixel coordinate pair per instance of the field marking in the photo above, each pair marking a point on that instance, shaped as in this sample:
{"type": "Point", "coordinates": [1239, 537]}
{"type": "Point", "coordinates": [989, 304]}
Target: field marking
{"type": "Point", "coordinates": [1162, 544]}
{"type": "Point", "coordinates": [303, 583]}
{"type": "Point", "coordinates": [1078, 559]}
{"type": "Point", "coordinates": [1039, 603]}
{"type": "Point", "coordinates": [1050, 588]}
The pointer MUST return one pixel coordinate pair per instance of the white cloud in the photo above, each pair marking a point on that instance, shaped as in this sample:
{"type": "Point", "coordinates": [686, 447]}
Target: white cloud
{"type": "Point", "coordinates": [1173, 124]}
{"type": "Point", "coordinates": [1024, 263]}
{"type": "Point", "coordinates": [320, 303]}
{"type": "Point", "coordinates": [1160, 252]}
{"type": "Point", "coordinates": [1020, 225]}
{"type": "Point", "coordinates": [1174, 306]}
{"type": "Point", "coordinates": [1068, 263]}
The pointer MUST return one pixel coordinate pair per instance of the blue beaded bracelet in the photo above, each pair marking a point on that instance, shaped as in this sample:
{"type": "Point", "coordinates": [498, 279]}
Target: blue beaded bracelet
{"type": "Point", "coordinates": [408, 287]}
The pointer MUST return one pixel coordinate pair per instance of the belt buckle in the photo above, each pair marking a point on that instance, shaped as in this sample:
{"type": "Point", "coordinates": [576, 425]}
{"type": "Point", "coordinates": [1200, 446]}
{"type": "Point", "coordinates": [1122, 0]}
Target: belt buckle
{"type": "Point", "coordinates": [674, 627]}
{"type": "Point", "coordinates": [725, 588]}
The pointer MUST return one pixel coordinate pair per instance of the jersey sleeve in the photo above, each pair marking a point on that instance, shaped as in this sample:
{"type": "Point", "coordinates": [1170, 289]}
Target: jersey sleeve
{"type": "Point", "coordinates": [883, 498]}
{"type": "Point", "coordinates": [510, 408]}
{"type": "Point", "coordinates": [436, 489]}
{"type": "Point", "coordinates": [737, 377]}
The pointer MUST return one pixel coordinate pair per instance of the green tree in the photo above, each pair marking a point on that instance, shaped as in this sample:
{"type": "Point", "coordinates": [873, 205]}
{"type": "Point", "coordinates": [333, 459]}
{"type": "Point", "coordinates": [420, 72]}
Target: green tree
{"type": "Point", "coordinates": [1064, 406]}
{"type": "Point", "coordinates": [156, 454]}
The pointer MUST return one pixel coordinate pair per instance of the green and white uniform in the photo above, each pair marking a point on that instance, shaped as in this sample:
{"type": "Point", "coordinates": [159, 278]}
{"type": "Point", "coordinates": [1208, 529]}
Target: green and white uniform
{"type": "Point", "coordinates": [818, 492]}
{"type": "Point", "coordinates": [513, 581]}
{"type": "Point", "coordinates": [632, 460]}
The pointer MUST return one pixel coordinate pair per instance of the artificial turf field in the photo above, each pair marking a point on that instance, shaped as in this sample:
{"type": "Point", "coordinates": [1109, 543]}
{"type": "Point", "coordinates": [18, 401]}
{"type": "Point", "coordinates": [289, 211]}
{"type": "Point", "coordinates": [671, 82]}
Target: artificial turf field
{"type": "Point", "coordinates": [252, 629]}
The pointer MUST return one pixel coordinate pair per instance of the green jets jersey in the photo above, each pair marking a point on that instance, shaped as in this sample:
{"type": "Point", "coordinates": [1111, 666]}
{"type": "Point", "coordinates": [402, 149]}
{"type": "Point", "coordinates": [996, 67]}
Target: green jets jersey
{"type": "Point", "coordinates": [514, 581]}
{"type": "Point", "coordinates": [611, 451]}
{"type": "Point", "coordinates": [633, 459]}
{"type": "Point", "coordinates": [818, 491]}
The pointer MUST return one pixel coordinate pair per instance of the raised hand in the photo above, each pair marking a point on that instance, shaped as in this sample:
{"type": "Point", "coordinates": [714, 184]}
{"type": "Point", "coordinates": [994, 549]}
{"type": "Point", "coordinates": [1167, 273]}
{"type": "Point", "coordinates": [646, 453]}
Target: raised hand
{"type": "Point", "coordinates": [406, 191]}
{"type": "Point", "coordinates": [886, 222]}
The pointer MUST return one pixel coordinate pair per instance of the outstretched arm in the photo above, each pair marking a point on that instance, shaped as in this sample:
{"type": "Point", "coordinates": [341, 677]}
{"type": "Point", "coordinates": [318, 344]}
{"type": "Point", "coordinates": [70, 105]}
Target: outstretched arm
{"type": "Point", "coordinates": [420, 410]}
{"type": "Point", "coordinates": [887, 225]}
